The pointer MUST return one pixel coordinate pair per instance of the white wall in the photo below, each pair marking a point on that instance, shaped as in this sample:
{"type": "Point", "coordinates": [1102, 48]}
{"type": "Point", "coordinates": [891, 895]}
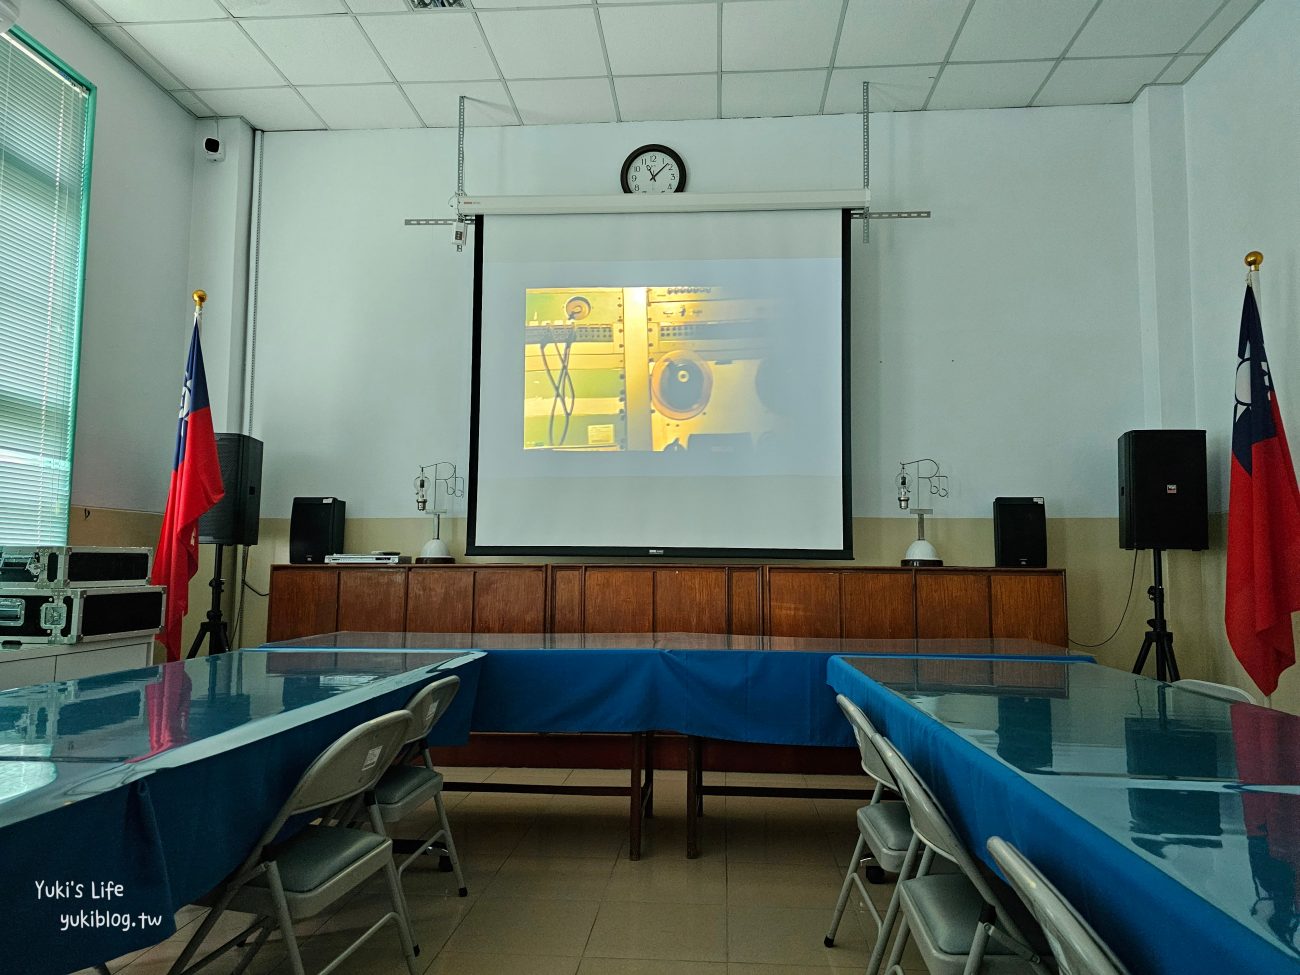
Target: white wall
{"type": "Point", "coordinates": [981, 337]}
{"type": "Point", "coordinates": [135, 328]}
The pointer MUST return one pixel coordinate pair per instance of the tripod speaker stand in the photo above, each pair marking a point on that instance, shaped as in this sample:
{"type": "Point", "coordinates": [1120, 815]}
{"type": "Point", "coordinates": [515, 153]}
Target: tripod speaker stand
{"type": "Point", "coordinates": [1158, 635]}
{"type": "Point", "coordinates": [213, 628]}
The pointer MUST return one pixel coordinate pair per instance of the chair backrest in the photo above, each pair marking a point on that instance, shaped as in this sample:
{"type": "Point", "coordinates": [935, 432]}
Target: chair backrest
{"type": "Point", "coordinates": [1225, 692]}
{"type": "Point", "coordinates": [863, 730]}
{"type": "Point", "coordinates": [1075, 945]}
{"type": "Point", "coordinates": [429, 704]}
{"type": "Point", "coordinates": [932, 825]}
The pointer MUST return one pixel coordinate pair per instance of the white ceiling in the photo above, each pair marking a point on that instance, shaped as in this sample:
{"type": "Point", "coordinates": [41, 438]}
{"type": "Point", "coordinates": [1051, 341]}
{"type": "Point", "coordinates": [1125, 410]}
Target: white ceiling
{"type": "Point", "coordinates": [360, 64]}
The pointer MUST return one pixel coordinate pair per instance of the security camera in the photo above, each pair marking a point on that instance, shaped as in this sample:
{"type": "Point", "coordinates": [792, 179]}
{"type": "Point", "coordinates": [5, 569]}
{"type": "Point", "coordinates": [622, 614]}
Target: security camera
{"type": "Point", "coordinates": [213, 149]}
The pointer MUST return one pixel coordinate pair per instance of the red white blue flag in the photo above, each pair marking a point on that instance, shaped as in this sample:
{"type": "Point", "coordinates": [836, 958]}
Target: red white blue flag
{"type": "Point", "coordinates": [1263, 586]}
{"type": "Point", "coordinates": [195, 487]}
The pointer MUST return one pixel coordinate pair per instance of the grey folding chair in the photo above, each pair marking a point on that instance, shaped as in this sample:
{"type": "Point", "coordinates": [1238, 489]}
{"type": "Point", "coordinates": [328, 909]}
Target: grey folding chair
{"type": "Point", "coordinates": [286, 882]}
{"type": "Point", "coordinates": [404, 787]}
{"type": "Point", "coordinates": [885, 838]}
{"type": "Point", "coordinates": [1076, 949]}
{"type": "Point", "coordinates": [1225, 692]}
{"type": "Point", "coordinates": [959, 924]}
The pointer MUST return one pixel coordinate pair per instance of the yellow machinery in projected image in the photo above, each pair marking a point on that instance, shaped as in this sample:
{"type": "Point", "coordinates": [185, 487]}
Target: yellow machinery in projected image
{"type": "Point", "coordinates": [646, 368]}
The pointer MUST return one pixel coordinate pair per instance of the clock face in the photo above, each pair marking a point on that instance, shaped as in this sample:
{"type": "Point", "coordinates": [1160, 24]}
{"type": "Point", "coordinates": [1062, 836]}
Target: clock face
{"type": "Point", "coordinates": [654, 169]}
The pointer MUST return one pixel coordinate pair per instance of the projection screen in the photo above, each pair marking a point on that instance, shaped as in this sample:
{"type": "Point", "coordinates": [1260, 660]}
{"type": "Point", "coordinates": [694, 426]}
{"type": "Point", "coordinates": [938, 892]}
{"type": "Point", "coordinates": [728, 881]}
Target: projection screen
{"type": "Point", "coordinates": [661, 384]}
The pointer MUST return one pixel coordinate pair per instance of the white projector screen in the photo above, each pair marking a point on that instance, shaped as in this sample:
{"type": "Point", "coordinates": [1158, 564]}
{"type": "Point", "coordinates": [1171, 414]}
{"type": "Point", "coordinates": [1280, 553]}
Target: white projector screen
{"type": "Point", "coordinates": [662, 384]}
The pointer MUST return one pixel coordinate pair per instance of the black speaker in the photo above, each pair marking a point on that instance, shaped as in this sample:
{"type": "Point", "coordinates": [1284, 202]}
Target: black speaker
{"type": "Point", "coordinates": [315, 529]}
{"type": "Point", "coordinates": [1019, 533]}
{"type": "Point", "coordinates": [234, 519]}
{"type": "Point", "coordinates": [1162, 490]}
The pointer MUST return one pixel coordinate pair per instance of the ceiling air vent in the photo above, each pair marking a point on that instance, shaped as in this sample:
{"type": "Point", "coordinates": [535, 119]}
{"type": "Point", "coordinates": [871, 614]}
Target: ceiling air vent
{"type": "Point", "coordinates": [434, 4]}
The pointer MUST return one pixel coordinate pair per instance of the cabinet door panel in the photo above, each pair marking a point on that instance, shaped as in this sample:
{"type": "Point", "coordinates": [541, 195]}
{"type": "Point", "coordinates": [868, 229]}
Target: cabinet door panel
{"type": "Point", "coordinates": [746, 601]}
{"type": "Point", "coordinates": [878, 606]}
{"type": "Point", "coordinates": [618, 601]}
{"type": "Point", "coordinates": [304, 602]}
{"type": "Point", "coordinates": [509, 600]}
{"type": "Point", "coordinates": [690, 600]}
{"type": "Point", "coordinates": [372, 600]}
{"type": "Point", "coordinates": [952, 616]}
{"type": "Point", "coordinates": [440, 600]}
{"type": "Point", "coordinates": [803, 602]}
{"type": "Point", "coordinates": [1028, 606]}
{"type": "Point", "coordinates": [566, 599]}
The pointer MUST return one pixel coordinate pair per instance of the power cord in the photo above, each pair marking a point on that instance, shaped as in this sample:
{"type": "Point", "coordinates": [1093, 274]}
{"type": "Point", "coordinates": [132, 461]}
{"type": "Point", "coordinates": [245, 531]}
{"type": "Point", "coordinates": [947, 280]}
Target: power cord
{"type": "Point", "coordinates": [1123, 616]}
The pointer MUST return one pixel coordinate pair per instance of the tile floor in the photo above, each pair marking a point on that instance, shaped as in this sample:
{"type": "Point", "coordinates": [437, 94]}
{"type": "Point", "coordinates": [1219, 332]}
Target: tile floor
{"type": "Point", "coordinates": [552, 891]}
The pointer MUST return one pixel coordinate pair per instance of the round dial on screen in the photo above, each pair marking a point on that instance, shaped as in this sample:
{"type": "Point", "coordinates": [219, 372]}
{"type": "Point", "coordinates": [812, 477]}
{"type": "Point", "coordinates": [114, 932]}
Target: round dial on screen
{"type": "Point", "coordinates": [654, 169]}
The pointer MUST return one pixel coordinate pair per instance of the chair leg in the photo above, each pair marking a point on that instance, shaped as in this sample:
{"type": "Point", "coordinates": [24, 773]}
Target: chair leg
{"type": "Point", "coordinates": [850, 875]}
{"type": "Point", "coordinates": [285, 919]}
{"type": "Point", "coordinates": [263, 933]}
{"type": "Point", "coordinates": [205, 927]}
{"type": "Point", "coordinates": [451, 845]}
{"type": "Point", "coordinates": [409, 948]}
{"type": "Point", "coordinates": [896, 956]}
{"type": "Point", "coordinates": [978, 945]}
{"type": "Point", "coordinates": [891, 912]}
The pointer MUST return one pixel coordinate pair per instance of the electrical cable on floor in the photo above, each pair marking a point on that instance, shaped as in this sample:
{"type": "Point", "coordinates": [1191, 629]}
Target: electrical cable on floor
{"type": "Point", "coordinates": [1123, 616]}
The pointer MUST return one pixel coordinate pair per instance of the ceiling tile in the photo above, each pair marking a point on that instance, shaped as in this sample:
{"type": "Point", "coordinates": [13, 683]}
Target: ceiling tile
{"type": "Point", "coordinates": [892, 89]}
{"type": "Point", "coordinates": [151, 11]}
{"type": "Point", "coordinates": [269, 109]}
{"type": "Point", "coordinates": [1151, 27]}
{"type": "Point", "coordinates": [193, 104]}
{"type": "Point", "coordinates": [666, 97]}
{"type": "Point", "coordinates": [485, 103]}
{"type": "Point", "coordinates": [1019, 30]}
{"type": "Point", "coordinates": [762, 35]}
{"type": "Point", "coordinates": [568, 100]}
{"type": "Point", "coordinates": [90, 11]}
{"type": "Point", "coordinates": [318, 50]}
{"type": "Point", "coordinates": [380, 6]}
{"type": "Point", "coordinates": [283, 8]}
{"type": "Point", "coordinates": [146, 62]}
{"type": "Point", "coordinates": [692, 27]}
{"type": "Point", "coordinates": [529, 4]}
{"type": "Point", "coordinates": [898, 32]}
{"type": "Point", "coordinates": [545, 43]}
{"type": "Point", "coordinates": [362, 106]}
{"type": "Point", "coordinates": [1223, 24]}
{"type": "Point", "coordinates": [1008, 85]}
{"type": "Point", "coordinates": [1181, 68]}
{"type": "Point", "coordinates": [420, 47]}
{"type": "Point", "coordinates": [767, 94]}
{"type": "Point", "coordinates": [207, 55]}
{"type": "Point", "coordinates": [1099, 81]}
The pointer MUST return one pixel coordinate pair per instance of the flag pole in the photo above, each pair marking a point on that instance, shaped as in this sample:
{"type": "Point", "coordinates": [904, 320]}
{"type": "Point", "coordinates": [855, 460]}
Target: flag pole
{"type": "Point", "coordinates": [200, 296]}
{"type": "Point", "coordinates": [1253, 260]}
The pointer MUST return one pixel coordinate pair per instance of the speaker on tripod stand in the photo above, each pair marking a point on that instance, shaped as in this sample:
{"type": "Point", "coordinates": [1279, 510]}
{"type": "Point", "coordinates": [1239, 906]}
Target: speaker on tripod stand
{"type": "Point", "coordinates": [1163, 505]}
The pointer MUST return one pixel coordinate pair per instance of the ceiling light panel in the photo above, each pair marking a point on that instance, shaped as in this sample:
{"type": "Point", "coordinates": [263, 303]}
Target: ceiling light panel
{"type": "Point", "coordinates": [1008, 85]}
{"type": "Point", "coordinates": [688, 35]}
{"type": "Point", "coordinates": [1019, 30]}
{"type": "Point", "coordinates": [665, 97]}
{"type": "Point", "coordinates": [439, 103]}
{"type": "Point", "coordinates": [362, 106]}
{"type": "Point", "coordinates": [898, 32]}
{"type": "Point", "coordinates": [772, 93]}
{"type": "Point", "coordinates": [545, 43]}
{"type": "Point", "coordinates": [318, 50]}
{"type": "Point", "coordinates": [892, 89]}
{"type": "Point", "coordinates": [567, 100]}
{"type": "Point", "coordinates": [1100, 81]}
{"type": "Point", "coordinates": [270, 109]}
{"type": "Point", "coordinates": [213, 54]}
{"type": "Point", "coordinates": [759, 35]}
{"type": "Point", "coordinates": [1122, 27]}
{"type": "Point", "coordinates": [419, 47]}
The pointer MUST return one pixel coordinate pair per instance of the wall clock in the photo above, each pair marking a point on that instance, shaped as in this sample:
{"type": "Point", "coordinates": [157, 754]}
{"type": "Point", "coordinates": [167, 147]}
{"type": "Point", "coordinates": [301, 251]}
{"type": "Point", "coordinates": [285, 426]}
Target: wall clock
{"type": "Point", "coordinates": [653, 169]}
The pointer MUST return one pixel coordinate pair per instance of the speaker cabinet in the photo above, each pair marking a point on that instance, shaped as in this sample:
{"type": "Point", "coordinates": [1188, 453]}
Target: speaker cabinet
{"type": "Point", "coordinates": [1019, 533]}
{"type": "Point", "coordinates": [1163, 500]}
{"type": "Point", "coordinates": [315, 529]}
{"type": "Point", "coordinates": [234, 519]}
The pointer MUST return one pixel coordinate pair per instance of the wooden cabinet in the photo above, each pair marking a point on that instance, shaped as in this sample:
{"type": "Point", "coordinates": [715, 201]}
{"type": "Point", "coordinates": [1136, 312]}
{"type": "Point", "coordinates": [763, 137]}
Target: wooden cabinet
{"type": "Point", "coordinates": [510, 599]}
{"type": "Point", "coordinates": [803, 602]}
{"type": "Point", "coordinates": [304, 601]}
{"type": "Point", "coordinates": [952, 616]}
{"type": "Point", "coordinates": [618, 600]}
{"type": "Point", "coordinates": [878, 604]}
{"type": "Point", "coordinates": [374, 602]}
{"type": "Point", "coordinates": [440, 599]}
{"type": "Point", "coordinates": [690, 600]}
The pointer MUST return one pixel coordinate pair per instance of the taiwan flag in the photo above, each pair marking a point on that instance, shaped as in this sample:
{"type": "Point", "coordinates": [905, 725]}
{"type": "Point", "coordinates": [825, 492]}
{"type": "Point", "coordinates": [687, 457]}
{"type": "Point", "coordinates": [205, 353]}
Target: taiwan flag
{"type": "Point", "coordinates": [195, 487]}
{"type": "Point", "coordinates": [1263, 586]}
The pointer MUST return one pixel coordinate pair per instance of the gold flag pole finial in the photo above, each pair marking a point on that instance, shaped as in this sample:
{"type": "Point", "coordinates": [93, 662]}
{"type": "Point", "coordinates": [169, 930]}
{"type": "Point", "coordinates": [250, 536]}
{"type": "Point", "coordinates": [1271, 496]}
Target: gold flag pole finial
{"type": "Point", "coordinates": [199, 298]}
{"type": "Point", "coordinates": [1253, 260]}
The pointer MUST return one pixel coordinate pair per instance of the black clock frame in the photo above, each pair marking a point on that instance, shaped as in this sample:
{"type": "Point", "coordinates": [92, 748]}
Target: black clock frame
{"type": "Point", "coordinates": [653, 147]}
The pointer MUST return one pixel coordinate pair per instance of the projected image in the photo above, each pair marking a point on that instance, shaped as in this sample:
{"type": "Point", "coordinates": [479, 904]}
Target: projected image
{"type": "Point", "coordinates": [670, 368]}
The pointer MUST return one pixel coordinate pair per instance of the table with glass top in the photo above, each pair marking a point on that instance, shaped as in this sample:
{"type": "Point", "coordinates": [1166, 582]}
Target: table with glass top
{"type": "Point", "coordinates": [1169, 818]}
{"type": "Point", "coordinates": [125, 796]}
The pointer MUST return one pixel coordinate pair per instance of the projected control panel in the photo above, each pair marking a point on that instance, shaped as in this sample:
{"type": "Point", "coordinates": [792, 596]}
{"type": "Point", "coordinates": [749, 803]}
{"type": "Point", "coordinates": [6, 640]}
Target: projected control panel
{"type": "Point", "coordinates": [671, 368]}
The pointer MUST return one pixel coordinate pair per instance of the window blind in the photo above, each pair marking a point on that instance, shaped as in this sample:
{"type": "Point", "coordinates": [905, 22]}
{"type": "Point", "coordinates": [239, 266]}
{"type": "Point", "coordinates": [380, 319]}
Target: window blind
{"type": "Point", "coordinates": [45, 126]}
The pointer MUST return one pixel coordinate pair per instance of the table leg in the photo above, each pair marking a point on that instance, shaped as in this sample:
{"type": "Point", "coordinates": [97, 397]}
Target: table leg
{"type": "Point", "coordinates": [649, 774]}
{"type": "Point", "coordinates": [634, 825]}
{"type": "Point", "coordinates": [692, 797]}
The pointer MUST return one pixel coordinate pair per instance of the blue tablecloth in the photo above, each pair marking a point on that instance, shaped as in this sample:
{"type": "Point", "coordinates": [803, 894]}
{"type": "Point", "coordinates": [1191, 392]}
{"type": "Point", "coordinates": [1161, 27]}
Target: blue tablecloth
{"type": "Point", "coordinates": [1170, 819]}
{"type": "Point", "coordinates": [160, 780]}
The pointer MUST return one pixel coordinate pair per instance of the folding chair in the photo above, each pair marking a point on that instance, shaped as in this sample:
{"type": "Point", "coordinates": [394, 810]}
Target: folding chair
{"type": "Point", "coordinates": [1225, 692]}
{"type": "Point", "coordinates": [1076, 948]}
{"type": "Point", "coordinates": [884, 832]}
{"type": "Point", "coordinates": [285, 882]}
{"type": "Point", "coordinates": [960, 925]}
{"type": "Point", "coordinates": [404, 788]}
